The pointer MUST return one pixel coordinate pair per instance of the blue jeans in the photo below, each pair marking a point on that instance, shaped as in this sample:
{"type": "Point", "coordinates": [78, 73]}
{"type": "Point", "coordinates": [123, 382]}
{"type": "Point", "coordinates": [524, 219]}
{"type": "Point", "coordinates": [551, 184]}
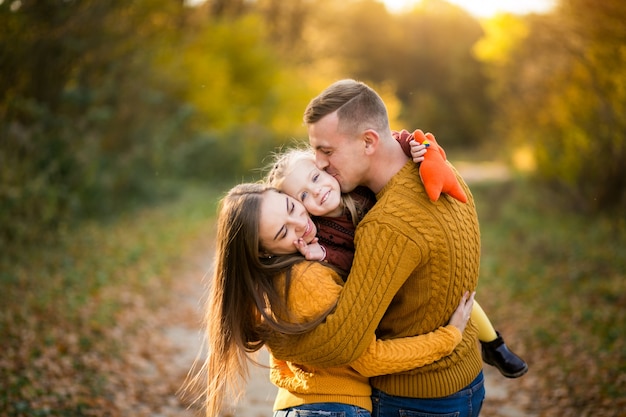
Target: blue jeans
{"type": "Point", "coordinates": [464, 403]}
{"type": "Point", "coordinates": [323, 410]}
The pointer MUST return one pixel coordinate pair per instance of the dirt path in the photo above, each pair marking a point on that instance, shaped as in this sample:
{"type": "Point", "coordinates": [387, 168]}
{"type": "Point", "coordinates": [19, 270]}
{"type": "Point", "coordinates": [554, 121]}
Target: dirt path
{"type": "Point", "coordinates": [505, 397]}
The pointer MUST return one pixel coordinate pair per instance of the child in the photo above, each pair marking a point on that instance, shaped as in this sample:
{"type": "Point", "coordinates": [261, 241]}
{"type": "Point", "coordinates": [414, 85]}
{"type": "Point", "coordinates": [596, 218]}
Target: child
{"type": "Point", "coordinates": [337, 215]}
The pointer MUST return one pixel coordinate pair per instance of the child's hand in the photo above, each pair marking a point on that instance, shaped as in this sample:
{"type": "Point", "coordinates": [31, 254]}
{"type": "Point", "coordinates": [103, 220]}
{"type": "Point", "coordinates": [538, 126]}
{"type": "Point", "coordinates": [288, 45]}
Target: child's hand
{"type": "Point", "coordinates": [312, 251]}
{"type": "Point", "coordinates": [418, 151]}
{"type": "Point", "coordinates": [462, 313]}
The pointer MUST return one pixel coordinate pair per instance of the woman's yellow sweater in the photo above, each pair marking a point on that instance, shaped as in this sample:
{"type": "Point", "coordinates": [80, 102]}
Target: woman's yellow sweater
{"type": "Point", "coordinates": [414, 259]}
{"type": "Point", "coordinates": [314, 289]}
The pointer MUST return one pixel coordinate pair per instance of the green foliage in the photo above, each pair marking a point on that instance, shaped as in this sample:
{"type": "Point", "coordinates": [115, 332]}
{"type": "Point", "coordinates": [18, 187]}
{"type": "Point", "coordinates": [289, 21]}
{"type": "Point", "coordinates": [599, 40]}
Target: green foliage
{"type": "Point", "coordinates": [241, 154]}
{"type": "Point", "coordinates": [225, 71]}
{"type": "Point", "coordinates": [126, 86]}
{"type": "Point", "coordinates": [63, 149]}
{"type": "Point", "coordinates": [562, 92]}
{"type": "Point", "coordinates": [239, 95]}
{"type": "Point", "coordinates": [556, 280]}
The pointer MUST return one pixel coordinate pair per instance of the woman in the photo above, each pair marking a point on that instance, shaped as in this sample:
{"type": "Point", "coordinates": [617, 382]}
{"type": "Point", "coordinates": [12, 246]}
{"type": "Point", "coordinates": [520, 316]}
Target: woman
{"type": "Point", "coordinates": [262, 286]}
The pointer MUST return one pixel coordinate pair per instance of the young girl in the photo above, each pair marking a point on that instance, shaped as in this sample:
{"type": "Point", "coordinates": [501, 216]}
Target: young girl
{"type": "Point", "coordinates": [262, 287]}
{"type": "Point", "coordinates": [337, 215]}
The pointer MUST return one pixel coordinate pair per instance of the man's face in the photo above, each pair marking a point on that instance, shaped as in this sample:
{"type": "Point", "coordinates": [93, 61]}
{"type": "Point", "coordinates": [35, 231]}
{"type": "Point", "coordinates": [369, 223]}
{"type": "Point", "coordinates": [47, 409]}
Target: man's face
{"type": "Point", "coordinates": [341, 155]}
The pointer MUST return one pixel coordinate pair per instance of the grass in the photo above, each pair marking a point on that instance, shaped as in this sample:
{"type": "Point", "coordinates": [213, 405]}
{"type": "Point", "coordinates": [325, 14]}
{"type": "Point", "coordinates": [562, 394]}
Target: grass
{"type": "Point", "coordinates": [552, 280]}
{"type": "Point", "coordinates": [71, 306]}
{"type": "Point", "coordinates": [556, 279]}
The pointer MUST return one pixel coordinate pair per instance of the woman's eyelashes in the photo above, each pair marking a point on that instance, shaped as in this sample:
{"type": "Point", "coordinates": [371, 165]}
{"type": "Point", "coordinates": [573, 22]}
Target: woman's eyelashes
{"type": "Point", "coordinates": [290, 209]}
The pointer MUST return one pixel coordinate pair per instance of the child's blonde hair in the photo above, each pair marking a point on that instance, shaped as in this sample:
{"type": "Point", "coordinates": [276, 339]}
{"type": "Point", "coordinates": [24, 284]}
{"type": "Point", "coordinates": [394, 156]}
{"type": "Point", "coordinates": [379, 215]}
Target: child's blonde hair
{"type": "Point", "coordinates": [284, 163]}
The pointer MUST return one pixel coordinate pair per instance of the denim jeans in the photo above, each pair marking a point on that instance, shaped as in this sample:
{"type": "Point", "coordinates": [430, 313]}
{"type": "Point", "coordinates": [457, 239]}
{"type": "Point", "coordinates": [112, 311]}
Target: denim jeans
{"type": "Point", "coordinates": [465, 403]}
{"type": "Point", "coordinates": [323, 410]}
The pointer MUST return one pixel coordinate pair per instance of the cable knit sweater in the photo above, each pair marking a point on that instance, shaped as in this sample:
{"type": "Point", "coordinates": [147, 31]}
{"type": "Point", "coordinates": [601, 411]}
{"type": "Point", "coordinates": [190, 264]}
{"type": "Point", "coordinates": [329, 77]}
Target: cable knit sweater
{"type": "Point", "coordinates": [414, 260]}
{"type": "Point", "coordinates": [314, 289]}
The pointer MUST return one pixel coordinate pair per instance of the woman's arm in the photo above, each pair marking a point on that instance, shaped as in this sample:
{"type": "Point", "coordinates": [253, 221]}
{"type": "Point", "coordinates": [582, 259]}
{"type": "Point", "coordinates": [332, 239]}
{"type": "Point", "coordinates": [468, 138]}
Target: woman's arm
{"type": "Point", "coordinates": [400, 355]}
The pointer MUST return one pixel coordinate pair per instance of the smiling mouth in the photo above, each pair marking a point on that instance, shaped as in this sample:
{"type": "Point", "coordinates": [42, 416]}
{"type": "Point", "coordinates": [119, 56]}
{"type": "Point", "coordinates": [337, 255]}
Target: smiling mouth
{"type": "Point", "coordinates": [324, 198]}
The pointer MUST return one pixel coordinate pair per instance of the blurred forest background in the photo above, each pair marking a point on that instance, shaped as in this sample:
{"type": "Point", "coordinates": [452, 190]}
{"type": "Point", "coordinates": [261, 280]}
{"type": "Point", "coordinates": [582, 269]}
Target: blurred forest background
{"type": "Point", "coordinates": [112, 112]}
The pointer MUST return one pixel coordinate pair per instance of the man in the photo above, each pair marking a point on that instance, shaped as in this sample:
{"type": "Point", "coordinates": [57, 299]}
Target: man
{"type": "Point", "coordinates": [414, 259]}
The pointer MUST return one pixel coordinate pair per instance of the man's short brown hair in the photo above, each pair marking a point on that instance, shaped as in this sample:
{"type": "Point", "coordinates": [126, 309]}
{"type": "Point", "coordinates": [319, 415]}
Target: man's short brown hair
{"type": "Point", "coordinates": [358, 107]}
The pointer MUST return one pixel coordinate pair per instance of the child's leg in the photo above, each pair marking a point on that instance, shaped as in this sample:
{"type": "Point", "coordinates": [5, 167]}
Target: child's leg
{"type": "Point", "coordinates": [486, 332]}
{"type": "Point", "coordinates": [494, 351]}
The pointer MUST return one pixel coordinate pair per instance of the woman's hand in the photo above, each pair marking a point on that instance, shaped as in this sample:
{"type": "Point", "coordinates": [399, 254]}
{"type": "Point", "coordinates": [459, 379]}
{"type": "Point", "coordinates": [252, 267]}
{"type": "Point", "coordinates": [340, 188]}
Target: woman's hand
{"type": "Point", "coordinates": [461, 315]}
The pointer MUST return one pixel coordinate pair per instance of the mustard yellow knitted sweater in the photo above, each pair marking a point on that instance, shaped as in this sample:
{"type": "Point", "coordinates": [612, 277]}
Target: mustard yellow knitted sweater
{"type": "Point", "coordinates": [314, 289]}
{"type": "Point", "coordinates": [414, 260]}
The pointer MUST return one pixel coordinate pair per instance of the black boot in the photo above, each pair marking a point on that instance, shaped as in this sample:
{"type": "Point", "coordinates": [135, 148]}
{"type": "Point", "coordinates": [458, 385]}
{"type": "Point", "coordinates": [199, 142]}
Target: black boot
{"type": "Point", "coordinates": [495, 353]}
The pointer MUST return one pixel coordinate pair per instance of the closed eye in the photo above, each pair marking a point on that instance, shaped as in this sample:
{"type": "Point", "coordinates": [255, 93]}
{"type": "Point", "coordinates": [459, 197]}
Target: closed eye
{"type": "Point", "coordinates": [290, 207]}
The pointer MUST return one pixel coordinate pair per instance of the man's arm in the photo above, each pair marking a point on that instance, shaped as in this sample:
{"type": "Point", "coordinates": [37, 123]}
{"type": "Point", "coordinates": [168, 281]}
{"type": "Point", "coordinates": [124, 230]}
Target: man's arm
{"type": "Point", "coordinates": [383, 261]}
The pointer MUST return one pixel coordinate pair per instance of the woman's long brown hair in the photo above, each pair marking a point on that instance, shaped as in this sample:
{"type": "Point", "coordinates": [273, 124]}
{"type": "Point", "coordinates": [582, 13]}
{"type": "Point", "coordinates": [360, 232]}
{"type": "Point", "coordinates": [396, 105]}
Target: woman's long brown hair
{"type": "Point", "coordinates": [243, 305]}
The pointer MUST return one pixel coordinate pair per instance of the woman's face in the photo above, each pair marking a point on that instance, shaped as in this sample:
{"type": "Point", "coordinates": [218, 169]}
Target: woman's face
{"type": "Point", "coordinates": [283, 221]}
{"type": "Point", "coordinates": [315, 188]}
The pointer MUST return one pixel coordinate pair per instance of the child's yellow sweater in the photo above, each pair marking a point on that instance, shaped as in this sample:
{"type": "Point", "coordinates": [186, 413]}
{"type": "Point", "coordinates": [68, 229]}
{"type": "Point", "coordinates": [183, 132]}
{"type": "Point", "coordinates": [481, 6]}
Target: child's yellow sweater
{"type": "Point", "coordinates": [414, 260]}
{"type": "Point", "coordinates": [315, 288]}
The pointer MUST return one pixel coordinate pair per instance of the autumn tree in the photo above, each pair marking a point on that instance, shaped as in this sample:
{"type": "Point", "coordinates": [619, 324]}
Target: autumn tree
{"type": "Point", "coordinates": [101, 101]}
{"type": "Point", "coordinates": [561, 89]}
{"type": "Point", "coordinates": [426, 54]}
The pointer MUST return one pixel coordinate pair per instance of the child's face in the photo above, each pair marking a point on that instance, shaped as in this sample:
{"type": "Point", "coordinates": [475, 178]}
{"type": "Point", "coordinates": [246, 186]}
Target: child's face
{"type": "Point", "coordinates": [283, 221]}
{"type": "Point", "coordinates": [316, 189]}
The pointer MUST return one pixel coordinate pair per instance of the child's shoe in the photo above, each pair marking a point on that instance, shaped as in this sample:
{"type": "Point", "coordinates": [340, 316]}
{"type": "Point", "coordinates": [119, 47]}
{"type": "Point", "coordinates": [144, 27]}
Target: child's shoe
{"type": "Point", "coordinates": [496, 353]}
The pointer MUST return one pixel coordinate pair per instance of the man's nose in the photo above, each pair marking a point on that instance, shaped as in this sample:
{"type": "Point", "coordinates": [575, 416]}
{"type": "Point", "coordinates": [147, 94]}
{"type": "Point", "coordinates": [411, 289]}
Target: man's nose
{"type": "Point", "coordinates": [321, 160]}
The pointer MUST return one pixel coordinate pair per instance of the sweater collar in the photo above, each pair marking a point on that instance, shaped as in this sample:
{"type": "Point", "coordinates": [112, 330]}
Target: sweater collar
{"type": "Point", "coordinates": [409, 170]}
